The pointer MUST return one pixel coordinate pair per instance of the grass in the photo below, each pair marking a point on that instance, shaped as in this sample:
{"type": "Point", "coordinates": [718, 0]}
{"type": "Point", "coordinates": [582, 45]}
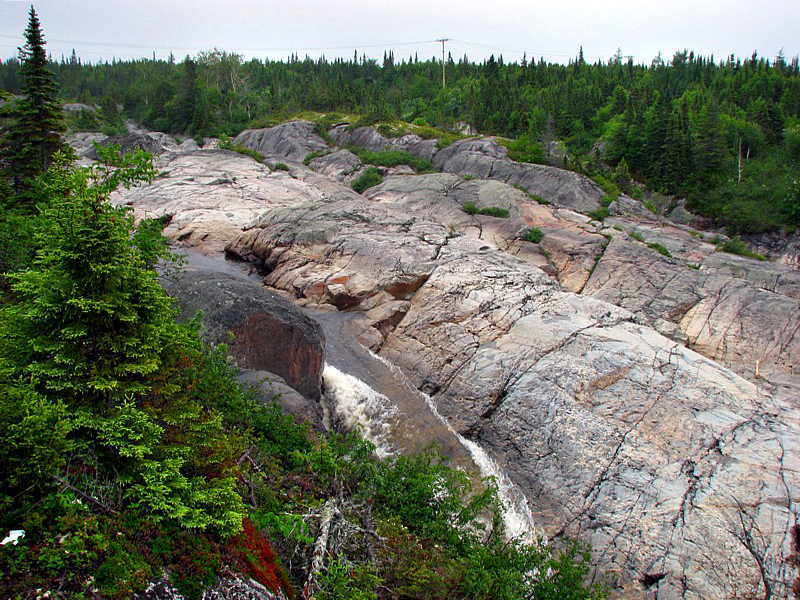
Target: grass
{"type": "Point", "coordinates": [607, 200]}
{"type": "Point", "coordinates": [491, 211]}
{"type": "Point", "coordinates": [315, 154]}
{"type": "Point", "coordinates": [281, 166]}
{"type": "Point", "coordinates": [535, 197]}
{"type": "Point", "coordinates": [636, 236]}
{"type": "Point", "coordinates": [660, 248]}
{"type": "Point", "coordinates": [601, 214]}
{"type": "Point", "coordinates": [226, 143]}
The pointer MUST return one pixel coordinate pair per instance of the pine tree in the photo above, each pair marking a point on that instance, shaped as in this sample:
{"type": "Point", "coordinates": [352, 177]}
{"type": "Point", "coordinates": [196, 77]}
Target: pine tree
{"type": "Point", "coordinates": [34, 137]}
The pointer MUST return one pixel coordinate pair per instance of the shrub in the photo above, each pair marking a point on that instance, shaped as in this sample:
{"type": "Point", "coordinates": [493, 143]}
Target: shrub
{"type": "Point", "coordinates": [491, 211]}
{"type": "Point", "coordinates": [533, 235]}
{"type": "Point", "coordinates": [316, 154]}
{"type": "Point", "coordinates": [736, 245]}
{"type": "Point", "coordinates": [392, 158]}
{"type": "Point", "coordinates": [279, 166]}
{"type": "Point", "coordinates": [523, 149]}
{"type": "Point", "coordinates": [369, 178]}
{"type": "Point", "coordinates": [226, 143]}
{"type": "Point", "coordinates": [601, 214]}
{"type": "Point", "coordinates": [607, 200]}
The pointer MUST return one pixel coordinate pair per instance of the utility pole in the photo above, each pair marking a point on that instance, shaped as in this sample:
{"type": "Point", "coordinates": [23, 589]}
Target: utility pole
{"type": "Point", "coordinates": [444, 79]}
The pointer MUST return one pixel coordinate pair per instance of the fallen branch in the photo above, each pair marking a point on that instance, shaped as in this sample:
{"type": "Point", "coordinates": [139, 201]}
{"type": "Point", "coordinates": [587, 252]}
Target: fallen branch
{"type": "Point", "coordinates": [84, 495]}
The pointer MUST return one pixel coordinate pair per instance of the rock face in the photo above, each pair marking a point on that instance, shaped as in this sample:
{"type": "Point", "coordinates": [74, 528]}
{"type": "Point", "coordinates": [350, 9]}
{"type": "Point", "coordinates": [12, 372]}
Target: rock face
{"type": "Point", "coordinates": [605, 377]}
{"type": "Point", "coordinates": [661, 458]}
{"type": "Point", "coordinates": [128, 143]}
{"type": "Point", "coordinates": [293, 140]}
{"type": "Point", "coordinates": [210, 194]}
{"type": "Point", "coordinates": [264, 331]}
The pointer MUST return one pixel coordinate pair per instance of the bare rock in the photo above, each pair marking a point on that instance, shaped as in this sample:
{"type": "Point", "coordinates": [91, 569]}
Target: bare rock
{"type": "Point", "coordinates": [293, 140]}
{"type": "Point", "coordinates": [211, 195]}
{"type": "Point", "coordinates": [128, 143]}
{"type": "Point", "coordinates": [268, 332]}
{"type": "Point", "coordinates": [340, 165]}
{"type": "Point", "coordinates": [363, 137]}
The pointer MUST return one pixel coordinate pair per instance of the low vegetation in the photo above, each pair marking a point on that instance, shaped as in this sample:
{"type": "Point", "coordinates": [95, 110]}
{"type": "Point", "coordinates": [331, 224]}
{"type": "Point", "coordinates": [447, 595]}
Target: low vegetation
{"type": "Point", "coordinates": [533, 235]}
{"type": "Point", "coordinates": [736, 245]}
{"type": "Point", "coordinates": [490, 211]}
{"type": "Point", "coordinates": [226, 143]}
{"type": "Point", "coordinates": [369, 178]}
{"type": "Point", "coordinates": [127, 448]}
{"type": "Point", "coordinates": [392, 158]}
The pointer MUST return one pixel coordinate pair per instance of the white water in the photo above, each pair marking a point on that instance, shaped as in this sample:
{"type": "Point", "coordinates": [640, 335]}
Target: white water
{"type": "Point", "coordinates": [517, 515]}
{"type": "Point", "coordinates": [359, 407]}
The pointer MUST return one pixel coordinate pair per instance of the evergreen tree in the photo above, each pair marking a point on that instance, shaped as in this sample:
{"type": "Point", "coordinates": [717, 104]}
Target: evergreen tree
{"type": "Point", "coordinates": [34, 137]}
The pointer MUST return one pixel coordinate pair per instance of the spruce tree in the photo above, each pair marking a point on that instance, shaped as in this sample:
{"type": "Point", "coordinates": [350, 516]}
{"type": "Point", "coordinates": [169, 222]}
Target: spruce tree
{"type": "Point", "coordinates": [34, 137]}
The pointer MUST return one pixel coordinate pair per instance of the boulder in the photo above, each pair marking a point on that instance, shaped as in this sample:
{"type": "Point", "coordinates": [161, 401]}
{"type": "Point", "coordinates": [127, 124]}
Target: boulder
{"type": "Point", "coordinates": [293, 140]}
{"type": "Point", "coordinates": [264, 331]}
{"type": "Point", "coordinates": [129, 142]}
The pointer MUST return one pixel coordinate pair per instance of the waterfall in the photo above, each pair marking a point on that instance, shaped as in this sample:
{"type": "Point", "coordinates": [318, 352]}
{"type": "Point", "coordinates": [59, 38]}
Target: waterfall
{"type": "Point", "coordinates": [356, 405]}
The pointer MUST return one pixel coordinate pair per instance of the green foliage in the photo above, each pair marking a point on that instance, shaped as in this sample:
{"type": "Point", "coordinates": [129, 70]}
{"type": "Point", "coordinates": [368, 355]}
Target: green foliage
{"type": "Point", "coordinates": [607, 201]}
{"type": "Point", "coordinates": [524, 149]}
{"type": "Point", "coordinates": [736, 245]}
{"type": "Point", "coordinates": [535, 197]}
{"type": "Point", "coordinates": [349, 582]}
{"type": "Point", "coordinates": [490, 211]}
{"type": "Point", "coordinates": [660, 248]}
{"type": "Point", "coordinates": [600, 214]}
{"type": "Point", "coordinates": [226, 143]}
{"type": "Point", "coordinates": [369, 178]}
{"type": "Point", "coordinates": [315, 154]}
{"type": "Point", "coordinates": [91, 328]}
{"type": "Point", "coordinates": [392, 158]}
{"type": "Point", "coordinates": [280, 166]}
{"type": "Point", "coordinates": [636, 236]}
{"type": "Point", "coordinates": [533, 235]}
{"type": "Point", "coordinates": [28, 145]}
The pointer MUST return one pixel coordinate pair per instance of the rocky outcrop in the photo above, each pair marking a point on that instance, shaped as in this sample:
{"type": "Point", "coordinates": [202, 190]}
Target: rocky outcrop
{"type": "Point", "coordinates": [128, 143]}
{"type": "Point", "coordinates": [231, 587]}
{"type": "Point", "coordinates": [682, 474]}
{"type": "Point", "coordinates": [293, 140]}
{"type": "Point", "coordinates": [263, 330]}
{"type": "Point", "coordinates": [737, 311]}
{"type": "Point", "coordinates": [211, 194]}
{"type": "Point", "coordinates": [661, 458]}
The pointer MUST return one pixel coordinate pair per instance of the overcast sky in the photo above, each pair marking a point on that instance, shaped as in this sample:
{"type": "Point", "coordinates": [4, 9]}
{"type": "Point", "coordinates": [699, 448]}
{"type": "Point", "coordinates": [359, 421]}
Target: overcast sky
{"type": "Point", "coordinates": [102, 29]}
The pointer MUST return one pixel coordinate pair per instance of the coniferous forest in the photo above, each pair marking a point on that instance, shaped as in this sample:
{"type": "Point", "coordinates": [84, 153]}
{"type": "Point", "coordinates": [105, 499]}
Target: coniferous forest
{"type": "Point", "coordinates": [723, 133]}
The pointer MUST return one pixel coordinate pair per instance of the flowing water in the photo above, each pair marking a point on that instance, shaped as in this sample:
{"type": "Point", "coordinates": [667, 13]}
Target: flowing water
{"type": "Point", "coordinates": [366, 392]}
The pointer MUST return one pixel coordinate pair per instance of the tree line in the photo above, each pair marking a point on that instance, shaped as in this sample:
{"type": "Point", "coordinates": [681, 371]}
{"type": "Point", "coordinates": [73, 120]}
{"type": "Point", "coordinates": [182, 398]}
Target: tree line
{"type": "Point", "coordinates": [725, 134]}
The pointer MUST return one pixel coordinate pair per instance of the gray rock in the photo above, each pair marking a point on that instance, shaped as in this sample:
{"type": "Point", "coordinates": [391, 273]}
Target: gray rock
{"type": "Point", "coordinates": [340, 165]}
{"type": "Point", "coordinates": [363, 137]}
{"type": "Point", "coordinates": [293, 140]}
{"type": "Point", "coordinates": [263, 330]}
{"type": "Point", "coordinates": [128, 143]}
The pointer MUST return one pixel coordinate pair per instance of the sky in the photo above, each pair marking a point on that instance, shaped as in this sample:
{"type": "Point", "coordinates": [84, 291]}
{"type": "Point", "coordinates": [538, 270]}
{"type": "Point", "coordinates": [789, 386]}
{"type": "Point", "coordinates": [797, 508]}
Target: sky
{"type": "Point", "coordinates": [104, 29]}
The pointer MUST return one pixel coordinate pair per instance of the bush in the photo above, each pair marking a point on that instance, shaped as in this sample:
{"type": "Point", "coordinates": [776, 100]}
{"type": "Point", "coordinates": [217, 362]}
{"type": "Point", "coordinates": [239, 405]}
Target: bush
{"type": "Point", "coordinates": [226, 143]}
{"type": "Point", "coordinates": [491, 211]}
{"type": "Point", "coordinates": [369, 178]}
{"type": "Point", "coordinates": [523, 149]}
{"type": "Point", "coordinates": [736, 245]}
{"type": "Point", "coordinates": [533, 235]}
{"type": "Point", "coordinates": [601, 214]}
{"type": "Point", "coordinates": [392, 158]}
